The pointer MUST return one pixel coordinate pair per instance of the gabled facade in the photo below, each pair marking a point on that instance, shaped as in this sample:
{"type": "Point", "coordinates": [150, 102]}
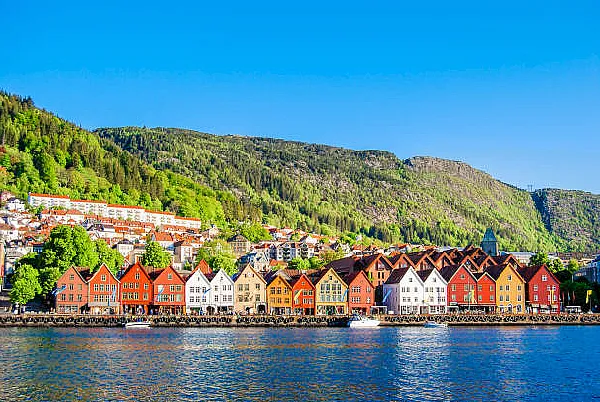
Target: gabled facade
{"type": "Point", "coordinates": [221, 294]}
{"type": "Point", "coordinates": [250, 292]}
{"type": "Point", "coordinates": [104, 292]}
{"type": "Point", "coordinates": [542, 290]}
{"type": "Point", "coordinates": [361, 293]}
{"type": "Point", "coordinates": [486, 292]}
{"type": "Point", "coordinates": [197, 292]}
{"type": "Point", "coordinates": [136, 290]}
{"type": "Point", "coordinates": [510, 289]}
{"type": "Point", "coordinates": [303, 291]}
{"type": "Point", "coordinates": [169, 291]}
{"type": "Point", "coordinates": [403, 292]}
{"type": "Point", "coordinates": [434, 291]}
{"type": "Point", "coordinates": [331, 293]}
{"type": "Point", "coordinates": [280, 295]}
{"type": "Point", "coordinates": [461, 287]}
{"type": "Point", "coordinates": [71, 292]}
{"type": "Point", "coordinates": [377, 267]}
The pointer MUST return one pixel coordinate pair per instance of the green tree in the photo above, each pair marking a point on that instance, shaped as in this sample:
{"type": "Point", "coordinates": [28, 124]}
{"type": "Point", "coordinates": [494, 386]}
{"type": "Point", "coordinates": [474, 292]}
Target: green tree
{"type": "Point", "coordinates": [255, 232]}
{"type": "Point", "coordinates": [299, 263]}
{"type": "Point", "coordinates": [219, 255]}
{"type": "Point", "coordinates": [68, 246]}
{"type": "Point", "coordinates": [573, 265]}
{"type": "Point", "coordinates": [540, 258]}
{"type": "Point", "coordinates": [556, 265]}
{"type": "Point", "coordinates": [316, 262]}
{"type": "Point", "coordinates": [48, 277]}
{"type": "Point", "coordinates": [109, 256]}
{"type": "Point", "coordinates": [155, 256]}
{"type": "Point", "coordinates": [25, 284]}
{"type": "Point", "coordinates": [329, 255]}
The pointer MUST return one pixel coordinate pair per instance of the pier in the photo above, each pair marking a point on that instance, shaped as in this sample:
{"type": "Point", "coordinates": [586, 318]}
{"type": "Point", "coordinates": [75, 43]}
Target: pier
{"type": "Point", "coordinates": [61, 320]}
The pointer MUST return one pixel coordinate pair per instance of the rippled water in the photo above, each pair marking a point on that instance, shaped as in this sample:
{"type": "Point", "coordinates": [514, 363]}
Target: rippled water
{"type": "Point", "coordinates": [508, 363]}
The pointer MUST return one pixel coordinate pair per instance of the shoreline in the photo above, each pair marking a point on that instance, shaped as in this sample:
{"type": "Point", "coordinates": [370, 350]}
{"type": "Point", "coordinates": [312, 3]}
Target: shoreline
{"type": "Point", "coordinates": [58, 320]}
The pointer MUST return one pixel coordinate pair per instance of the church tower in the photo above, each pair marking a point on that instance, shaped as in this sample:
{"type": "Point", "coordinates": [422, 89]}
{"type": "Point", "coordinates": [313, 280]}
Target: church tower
{"type": "Point", "coordinates": [489, 244]}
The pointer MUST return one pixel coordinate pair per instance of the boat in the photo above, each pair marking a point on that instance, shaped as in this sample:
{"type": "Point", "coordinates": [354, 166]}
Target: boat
{"type": "Point", "coordinates": [137, 324]}
{"type": "Point", "coordinates": [433, 324]}
{"type": "Point", "coordinates": [360, 321]}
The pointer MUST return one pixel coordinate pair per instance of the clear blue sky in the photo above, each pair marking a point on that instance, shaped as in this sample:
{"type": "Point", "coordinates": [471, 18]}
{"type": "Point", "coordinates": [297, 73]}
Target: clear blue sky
{"type": "Point", "coordinates": [512, 88]}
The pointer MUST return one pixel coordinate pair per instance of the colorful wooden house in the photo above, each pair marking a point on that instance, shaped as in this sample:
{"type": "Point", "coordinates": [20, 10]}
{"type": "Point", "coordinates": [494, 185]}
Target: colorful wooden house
{"type": "Point", "coordinates": [403, 292]}
{"type": "Point", "coordinates": [221, 294]}
{"type": "Point", "coordinates": [104, 292]}
{"type": "Point", "coordinates": [377, 267]}
{"type": "Point", "coordinates": [485, 293]}
{"type": "Point", "coordinates": [461, 287]}
{"type": "Point", "coordinates": [510, 289]}
{"type": "Point", "coordinates": [250, 291]}
{"type": "Point", "coordinates": [361, 293]}
{"type": "Point", "coordinates": [71, 292]}
{"type": "Point", "coordinates": [542, 290]}
{"type": "Point", "coordinates": [280, 295]}
{"type": "Point", "coordinates": [197, 291]}
{"type": "Point", "coordinates": [303, 300]}
{"type": "Point", "coordinates": [331, 293]}
{"type": "Point", "coordinates": [169, 291]}
{"type": "Point", "coordinates": [435, 290]}
{"type": "Point", "coordinates": [136, 290]}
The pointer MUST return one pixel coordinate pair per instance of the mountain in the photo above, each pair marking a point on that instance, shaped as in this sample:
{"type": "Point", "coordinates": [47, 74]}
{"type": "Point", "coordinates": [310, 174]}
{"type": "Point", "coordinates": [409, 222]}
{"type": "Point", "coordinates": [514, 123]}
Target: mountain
{"type": "Point", "coordinates": [574, 216]}
{"type": "Point", "coordinates": [331, 190]}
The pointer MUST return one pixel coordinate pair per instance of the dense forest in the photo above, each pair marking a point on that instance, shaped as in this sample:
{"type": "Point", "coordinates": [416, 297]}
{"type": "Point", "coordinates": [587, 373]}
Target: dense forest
{"type": "Point", "coordinates": [43, 153]}
{"type": "Point", "coordinates": [329, 190]}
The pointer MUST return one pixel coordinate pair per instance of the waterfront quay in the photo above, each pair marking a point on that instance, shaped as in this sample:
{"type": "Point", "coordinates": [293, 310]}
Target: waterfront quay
{"type": "Point", "coordinates": [87, 320]}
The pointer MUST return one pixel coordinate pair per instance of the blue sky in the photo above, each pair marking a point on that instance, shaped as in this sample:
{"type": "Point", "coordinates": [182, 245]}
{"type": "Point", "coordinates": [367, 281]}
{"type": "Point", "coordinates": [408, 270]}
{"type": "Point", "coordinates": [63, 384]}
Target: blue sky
{"type": "Point", "coordinates": [512, 88]}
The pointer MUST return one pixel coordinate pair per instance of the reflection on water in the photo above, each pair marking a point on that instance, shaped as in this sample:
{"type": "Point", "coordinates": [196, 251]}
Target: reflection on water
{"type": "Point", "coordinates": [508, 363]}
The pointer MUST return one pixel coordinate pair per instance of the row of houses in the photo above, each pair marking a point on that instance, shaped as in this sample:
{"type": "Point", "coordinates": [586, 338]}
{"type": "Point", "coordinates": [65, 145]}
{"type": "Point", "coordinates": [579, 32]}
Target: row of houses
{"type": "Point", "coordinates": [500, 288]}
{"type": "Point", "coordinates": [142, 290]}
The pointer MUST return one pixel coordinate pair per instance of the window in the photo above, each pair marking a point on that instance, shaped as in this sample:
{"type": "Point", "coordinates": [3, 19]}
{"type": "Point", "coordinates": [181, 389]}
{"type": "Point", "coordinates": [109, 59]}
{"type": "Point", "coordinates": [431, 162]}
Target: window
{"type": "Point", "coordinates": [510, 277]}
{"type": "Point", "coordinates": [535, 297]}
{"type": "Point", "coordinates": [71, 286]}
{"type": "Point", "coordinates": [454, 287]}
{"type": "Point", "coordinates": [491, 297]}
{"type": "Point", "coordinates": [535, 288]}
{"type": "Point", "coordinates": [507, 288]}
{"type": "Point", "coordinates": [410, 279]}
{"type": "Point", "coordinates": [479, 288]}
{"type": "Point", "coordinates": [257, 286]}
{"type": "Point", "coordinates": [462, 276]}
{"type": "Point", "coordinates": [544, 278]}
{"type": "Point", "coordinates": [216, 298]}
{"type": "Point", "coordinates": [103, 278]}
{"type": "Point", "coordinates": [170, 276]}
{"type": "Point", "coordinates": [137, 276]}
{"type": "Point", "coordinates": [519, 288]}
{"type": "Point", "coordinates": [501, 288]}
{"type": "Point", "coordinates": [71, 277]}
{"type": "Point", "coordinates": [501, 298]}
{"type": "Point", "coordinates": [491, 288]}
{"type": "Point", "coordinates": [79, 297]}
{"type": "Point", "coordinates": [247, 287]}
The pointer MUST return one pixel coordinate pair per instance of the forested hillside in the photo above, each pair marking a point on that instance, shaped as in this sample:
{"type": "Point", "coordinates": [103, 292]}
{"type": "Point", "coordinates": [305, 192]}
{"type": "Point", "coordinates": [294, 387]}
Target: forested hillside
{"type": "Point", "coordinates": [331, 189]}
{"type": "Point", "coordinates": [572, 215]}
{"type": "Point", "coordinates": [43, 153]}
{"type": "Point", "coordinates": [319, 188]}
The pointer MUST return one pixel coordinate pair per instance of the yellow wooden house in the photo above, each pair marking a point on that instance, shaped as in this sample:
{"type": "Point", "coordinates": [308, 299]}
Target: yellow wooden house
{"type": "Point", "coordinates": [331, 293]}
{"type": "Point", "coordinates": [510, 288]}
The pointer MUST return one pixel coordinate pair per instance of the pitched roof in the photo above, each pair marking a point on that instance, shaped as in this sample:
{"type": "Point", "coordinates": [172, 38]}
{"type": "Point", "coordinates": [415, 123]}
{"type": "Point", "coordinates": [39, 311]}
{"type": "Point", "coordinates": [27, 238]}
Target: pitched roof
{"type": "Point", "coordinates": [396, 275]}
{"type": "Point", "coordinates": [424, 274]}
{"type": "Point", "coordinates": [527, 273]}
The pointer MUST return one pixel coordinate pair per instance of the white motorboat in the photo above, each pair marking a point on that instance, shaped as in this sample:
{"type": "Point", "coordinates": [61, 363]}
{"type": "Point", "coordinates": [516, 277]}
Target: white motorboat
{"type": "Point", "coordinates": [433, 324]}
{"type": "Point", "coordinates": [360, 321]}
{"type": "Point", "coordinates": [137, 324]}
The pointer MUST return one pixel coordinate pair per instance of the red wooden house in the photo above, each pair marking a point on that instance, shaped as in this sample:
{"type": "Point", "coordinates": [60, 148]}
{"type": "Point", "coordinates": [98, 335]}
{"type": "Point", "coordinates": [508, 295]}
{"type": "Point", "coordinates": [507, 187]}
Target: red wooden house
{"type": "Point", "coordinates": [71, 292]}
{"type": "Point", "coordinates": [168, 288]}
{"type": "Point", "coordinates": [136, 290]}
{"type": "Point", "coordinates": [542, 290]}
{"type": "Point", "coordinates": [486, 292]}
{"type": "Point", "coordinates": [377, 267]}
{"type": "Point", "coordinates": [303, 291]}
{"type": "Point", "coordinates": [361, 293]}
{"type": "Point", "coordinates": [461, 287]}
{"type": "Point", "coordinates": [104, 292]}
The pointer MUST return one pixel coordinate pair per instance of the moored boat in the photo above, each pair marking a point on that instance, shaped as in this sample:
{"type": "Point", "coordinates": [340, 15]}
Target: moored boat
{"type": "Point", "coordinates": [137, 324]}
{"type": "Point", "coordinates": [360, 321]}
{"type": "Point", "coordinates": [433, 324]}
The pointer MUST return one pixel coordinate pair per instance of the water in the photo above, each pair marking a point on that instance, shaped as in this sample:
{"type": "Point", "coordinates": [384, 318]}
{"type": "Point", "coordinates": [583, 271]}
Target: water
{"type": "Point", "coordinates": [506, 363]}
